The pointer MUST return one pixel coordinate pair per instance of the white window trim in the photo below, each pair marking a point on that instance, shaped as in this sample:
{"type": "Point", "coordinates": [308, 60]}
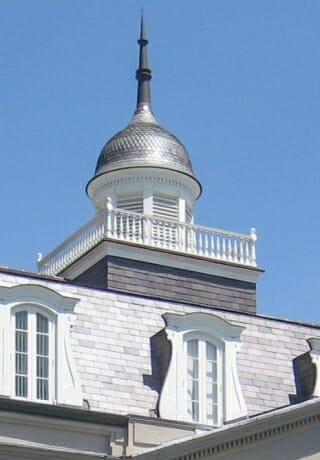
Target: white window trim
{"type": "Point", "coordinates": [172, 404]}
{"type": "Point", "coordinates": [50, 303]}
{"type": "Point", "coordinates": [33, 310]}
{"type": "Point", "coordinates": [204, 338]}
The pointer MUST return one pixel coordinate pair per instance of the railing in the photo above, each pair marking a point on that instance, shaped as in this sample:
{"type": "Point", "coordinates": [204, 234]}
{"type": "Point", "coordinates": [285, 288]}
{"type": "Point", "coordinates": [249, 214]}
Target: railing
{"type": "Point", "coordinates": [134, 228]}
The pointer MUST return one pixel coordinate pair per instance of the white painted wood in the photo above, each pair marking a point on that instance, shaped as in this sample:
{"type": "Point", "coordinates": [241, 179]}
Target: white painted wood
{"type": "Point", "coordinates": [36, 298]}
{"type": "Point", "coordinates": [226, 337]}
{"type": "Point", "coordinates": [140, 229]}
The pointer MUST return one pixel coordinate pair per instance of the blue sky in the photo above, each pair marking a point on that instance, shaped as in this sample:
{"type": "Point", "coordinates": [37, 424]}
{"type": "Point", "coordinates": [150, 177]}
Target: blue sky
{"type": "Point", "coordinates": [237, 81]}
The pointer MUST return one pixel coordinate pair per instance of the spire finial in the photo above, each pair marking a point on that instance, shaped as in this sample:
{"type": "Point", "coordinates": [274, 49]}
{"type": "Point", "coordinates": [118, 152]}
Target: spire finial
{"type": "Point", "coordinates": [143, 74]}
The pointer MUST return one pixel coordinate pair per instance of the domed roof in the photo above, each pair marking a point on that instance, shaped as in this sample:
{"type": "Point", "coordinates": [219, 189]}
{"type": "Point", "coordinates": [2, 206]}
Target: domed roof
{"type": "Point", "coordinates": [144, 143]}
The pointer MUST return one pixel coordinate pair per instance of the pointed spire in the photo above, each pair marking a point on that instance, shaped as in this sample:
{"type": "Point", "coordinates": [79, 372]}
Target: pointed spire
{"type": "Point", "coordinates": [143, 74]}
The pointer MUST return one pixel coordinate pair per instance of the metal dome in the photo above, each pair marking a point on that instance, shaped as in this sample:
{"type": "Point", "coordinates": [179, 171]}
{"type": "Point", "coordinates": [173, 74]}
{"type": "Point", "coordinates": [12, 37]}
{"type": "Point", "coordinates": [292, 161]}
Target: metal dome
{"type": "Point", "coordinates": [144, 143]}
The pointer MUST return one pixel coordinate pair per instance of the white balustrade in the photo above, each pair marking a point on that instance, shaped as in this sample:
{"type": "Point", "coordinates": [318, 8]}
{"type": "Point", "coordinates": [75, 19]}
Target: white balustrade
{"type": "Point", "coordinates": [120, 225]}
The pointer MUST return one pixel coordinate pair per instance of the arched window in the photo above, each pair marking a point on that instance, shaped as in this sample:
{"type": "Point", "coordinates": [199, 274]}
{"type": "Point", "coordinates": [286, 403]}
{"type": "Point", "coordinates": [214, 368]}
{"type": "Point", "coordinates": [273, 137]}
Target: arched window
{"type": "Point", "coordinates": [34, 354]}
{"type": "Point", "coordinates": [202, 383]}
{"type": "Point", "coordinates": [36, 361]}
{"type": "Point", "coordinates": [203, 380]}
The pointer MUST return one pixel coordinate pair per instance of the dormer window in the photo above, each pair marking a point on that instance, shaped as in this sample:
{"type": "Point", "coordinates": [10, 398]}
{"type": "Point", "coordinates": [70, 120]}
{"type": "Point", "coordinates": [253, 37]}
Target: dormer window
{"type": "Point", "coordinates": [202, 384]}
{"type": "Point", "coordinates": [34, 355]}
{"type": "Point", "coordinates": [36, 360]}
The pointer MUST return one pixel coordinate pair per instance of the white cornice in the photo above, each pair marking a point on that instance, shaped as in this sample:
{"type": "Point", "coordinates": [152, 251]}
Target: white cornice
{"type": "Point", "coordinates": [142, 176]}
{"type": "Point", "coordinates": [160, 257]}
{"type": "Point", "coordinates": [239, 435]}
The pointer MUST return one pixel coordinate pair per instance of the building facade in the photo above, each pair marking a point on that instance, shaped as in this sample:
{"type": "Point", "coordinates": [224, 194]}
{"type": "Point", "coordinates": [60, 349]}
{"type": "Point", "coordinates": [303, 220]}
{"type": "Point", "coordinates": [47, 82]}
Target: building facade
{"type": "Point", "coordinates": [139, 335]}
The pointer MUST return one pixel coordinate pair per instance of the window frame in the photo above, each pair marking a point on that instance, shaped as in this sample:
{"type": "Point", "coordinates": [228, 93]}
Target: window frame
{"type": "Point", "coordinates": [32, 311]}
{"type": "Point", "coordinates": [172, 402]}
{"type": "Point", "coordinates": [66, 386]}
{"type": "Point", "coordinates": [203, 339]}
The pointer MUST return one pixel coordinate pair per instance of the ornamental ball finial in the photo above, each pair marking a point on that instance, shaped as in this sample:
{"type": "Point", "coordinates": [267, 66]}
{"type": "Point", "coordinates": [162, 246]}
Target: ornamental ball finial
{"type": "Point", "coordinates": [109, 204]}
{"type": "Point", "coordinates": [253, 234]}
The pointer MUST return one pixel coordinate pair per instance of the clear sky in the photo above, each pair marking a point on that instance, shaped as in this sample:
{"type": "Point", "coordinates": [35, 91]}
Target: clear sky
{"type": "Point", "coordinates": [238, 81]}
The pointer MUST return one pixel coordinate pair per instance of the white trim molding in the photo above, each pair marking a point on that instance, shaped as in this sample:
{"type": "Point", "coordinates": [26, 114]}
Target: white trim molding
{"type": "Point", "coordinates": [314, 344]}
{"type": "Point", "coordinates": [172, 404]}
{"type": "Point", "coordinates": [67, 389]}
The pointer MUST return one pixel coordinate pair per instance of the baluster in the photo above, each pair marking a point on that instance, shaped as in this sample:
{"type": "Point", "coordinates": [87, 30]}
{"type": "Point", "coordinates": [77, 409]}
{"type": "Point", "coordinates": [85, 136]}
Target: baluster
{"type": "Point", "coordinates": [134, 229]}
{"type": "Point", "coordinates": [166, 235]}
{"type": "Point", "coordinates": [246, 253]}
{"type": "Point", "coordinates": [140, 237]}
{"type": "Point", "coordinates": [218, 246]}
{"type": "Point", "coordinates": [173, 236]}
{"type": "Point", "coordinates": [212, 246]}
{"type": "Point", "coordinates": [170, 235]}
{"type": "Point", "coordinates": [148, 231]}
{"type": "Point", "coordinates": [235, 251]}
{"type": "Point", "coordinates": [206, 244]}
{"type": "Point", "coordinates": [195, 242]}
{"type": "Point", "coordinates": [162, 234]}
{"type": "Point", "coordinates": [157, 232]}
{"type": "Point", "coordinates": [200, 244]}
{"type": "Point", "coordinates": [189, 234]}
{"type": "Point", "coordinates": [224, 248]}
{"type": "Point", "coordinates": [253, 236]}
{"type": "Point", "coordinates": [127, 226]}
{"type": "Point", "coordinates": [241, 252]}
{"type": "Point", "coordinates": [181, 237]}
{"type": "Point", "coordinates": [120, 230]}
{"type": "Point", "coordinates": [109, 209]}
{"type": "Point", "coordinates": [229, 254]}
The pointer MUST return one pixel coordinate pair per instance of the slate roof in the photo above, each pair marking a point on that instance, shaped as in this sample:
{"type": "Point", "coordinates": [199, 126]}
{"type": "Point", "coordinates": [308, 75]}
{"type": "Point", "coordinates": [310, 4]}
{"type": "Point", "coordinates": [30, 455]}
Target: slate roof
{"type": "Point", "coordinates": [111, 346]}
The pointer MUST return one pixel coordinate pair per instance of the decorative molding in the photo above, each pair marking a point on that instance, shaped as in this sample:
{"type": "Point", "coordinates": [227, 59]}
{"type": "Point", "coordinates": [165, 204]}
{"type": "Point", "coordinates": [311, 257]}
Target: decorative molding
{"type": "Point", "coordinates": [314, 344]}
{"type": "Point", "coordinates": [242, 441]}
{"type": "Point", "coordinates": [161, 257]}
{"type": "Point", "coordinates": [172, 404]}
{"type": "Point", "coordinates": [131, 180]}
{"type": "Point", "coordinates": [240, 435]}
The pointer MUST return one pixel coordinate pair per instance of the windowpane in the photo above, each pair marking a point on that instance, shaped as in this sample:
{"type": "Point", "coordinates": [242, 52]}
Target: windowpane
{"type": "Point", "coordinates": [42, 389]}
{"type": "Point", "coordinates": [193, 410]}
{"type": "Point", "coordinates": [42, 345]}
{"type": "Point", "coordinates": [21, 364]}
{"type": "Point", "coordinates": [21, 355]}
{"type": "Point", "coordinates": [211, 393]}
{"type": "Point", "coordinates": [193, 390]}
{"type": "Point", "coordinates": [193, 348]}
{"type": "Point", "coordinates": [21, 386]}
{"type": "Point", "coordinates": [211, 352]}
{"type": "Point", "coordinates": [211, 371]}
{"type": "Point", "coordinates": [202, 381]}
{"type": "Point", "coordinates": [193, 368]}
{"type": "Point", "coordinates": [42, 324]}
{"type": "Point", "coordinates": [212, 414]}
{"type": "Point", "coordinates": [22, 320]}
{"type": "Point", "coordinates": [32, 355]}
{"type": "Point", "coordinates": [22, 341]}
{"type": "Point", "coordinates": [42, 367]}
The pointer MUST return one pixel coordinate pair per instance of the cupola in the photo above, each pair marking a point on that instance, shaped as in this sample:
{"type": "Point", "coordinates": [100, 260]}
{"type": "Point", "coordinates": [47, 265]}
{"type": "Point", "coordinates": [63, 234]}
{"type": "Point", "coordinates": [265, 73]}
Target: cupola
{"type": "Point", "coordinates": [144, 168]}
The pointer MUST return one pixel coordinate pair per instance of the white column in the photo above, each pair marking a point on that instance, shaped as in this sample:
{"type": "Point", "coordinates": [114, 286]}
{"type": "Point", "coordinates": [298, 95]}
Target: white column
{"type": "Point", "coordinates": [182, 209]}
{"type": "Point", "coordinates": [148, 200]}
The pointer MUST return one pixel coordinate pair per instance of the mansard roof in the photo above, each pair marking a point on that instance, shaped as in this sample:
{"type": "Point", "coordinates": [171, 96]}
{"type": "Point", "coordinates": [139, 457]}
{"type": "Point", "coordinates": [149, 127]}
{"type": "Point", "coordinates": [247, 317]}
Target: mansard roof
{"type": "Point", "coordinates": [111, 345]}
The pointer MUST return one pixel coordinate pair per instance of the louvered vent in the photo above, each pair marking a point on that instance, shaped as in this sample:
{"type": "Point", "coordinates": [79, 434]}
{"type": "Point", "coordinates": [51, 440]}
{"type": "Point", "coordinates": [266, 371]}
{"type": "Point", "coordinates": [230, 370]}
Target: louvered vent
{"type": "Point", "coordinates": [132, 203]}
{"type": "Point", "coordinates": [165, 207]}
{"type": "Point", "coordinates": [188, 215]}
{"type": "Point", "coordinates": [128, 227]}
